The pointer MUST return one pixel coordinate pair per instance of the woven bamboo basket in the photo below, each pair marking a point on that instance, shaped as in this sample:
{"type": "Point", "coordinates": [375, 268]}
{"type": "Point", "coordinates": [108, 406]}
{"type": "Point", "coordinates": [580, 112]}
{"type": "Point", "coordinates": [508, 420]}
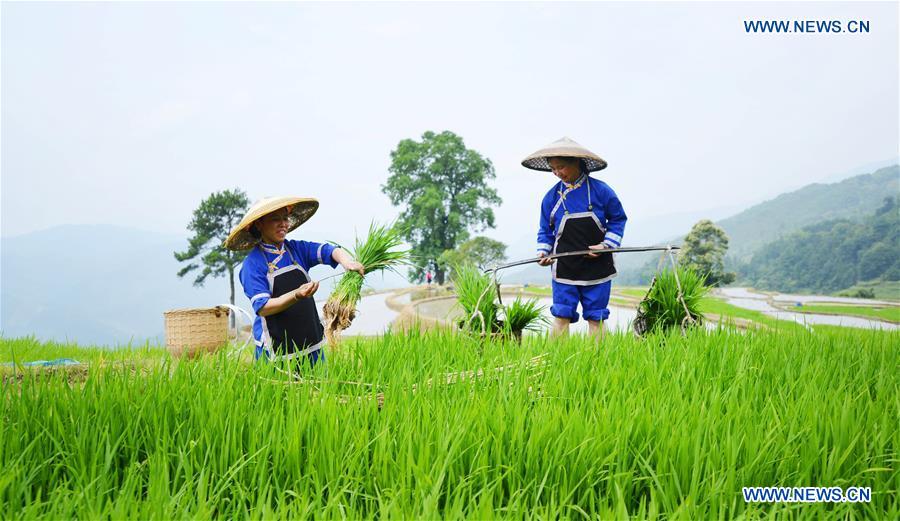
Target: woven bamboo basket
{"type": "Point", "coordinates": [190, 332]}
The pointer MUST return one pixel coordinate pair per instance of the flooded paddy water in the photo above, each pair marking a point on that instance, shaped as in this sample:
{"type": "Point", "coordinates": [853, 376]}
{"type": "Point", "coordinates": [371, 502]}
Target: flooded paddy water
{"type": "Point", "coordinates": [748, 299]}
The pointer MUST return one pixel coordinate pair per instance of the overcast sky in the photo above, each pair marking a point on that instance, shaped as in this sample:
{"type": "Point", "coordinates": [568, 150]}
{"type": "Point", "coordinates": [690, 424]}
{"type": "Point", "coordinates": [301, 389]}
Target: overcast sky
{"type": "Point", "coordinates": [130, 114]}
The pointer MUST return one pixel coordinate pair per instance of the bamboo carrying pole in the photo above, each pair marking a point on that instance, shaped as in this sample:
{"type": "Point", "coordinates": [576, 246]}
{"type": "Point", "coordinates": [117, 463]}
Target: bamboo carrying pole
{"type": "Point", "coordinates": [583, 252]}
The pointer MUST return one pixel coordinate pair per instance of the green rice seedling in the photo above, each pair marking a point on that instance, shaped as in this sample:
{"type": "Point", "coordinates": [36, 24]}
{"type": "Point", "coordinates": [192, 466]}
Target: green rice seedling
{"type": "Point", "coordinates": [476, 293]}
{"type": "Point", "coordinates": [378, 251]}
{"type": "Point", "coordinates": [524, 315]}
{"type": "Point", "coordinates": [633, 430]}
{"type": "Point", "coordinates": [662, 309]}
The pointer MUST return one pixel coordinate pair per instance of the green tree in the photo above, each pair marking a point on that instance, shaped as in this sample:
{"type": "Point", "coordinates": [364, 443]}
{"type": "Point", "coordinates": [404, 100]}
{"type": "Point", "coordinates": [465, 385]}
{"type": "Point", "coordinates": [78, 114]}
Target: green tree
{"type": "Point", "coordinates": [211, 224]}
{"type": "Point", "coordinates": [879, 259]}
{"type": "Point", "coordinates": [442, 187]}
{"type": "Point", "coordinates": [885, 221]}
{"type": "Point", "coordinates": [481, 251]}
{"type": "Point", "coordinates": [876, 261]}
{"type": "Point", "coordinates": [809, 260]}
{"type": "Point", "coordinates": [704, 250]}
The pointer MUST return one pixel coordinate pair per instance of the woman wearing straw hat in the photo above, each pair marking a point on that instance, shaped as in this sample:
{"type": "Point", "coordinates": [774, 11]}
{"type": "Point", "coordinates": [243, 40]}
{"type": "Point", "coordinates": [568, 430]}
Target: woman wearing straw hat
{"type": "Point", "coordinates": [578, 213]}
{"type": "Point", "coordinates": [275, 277]}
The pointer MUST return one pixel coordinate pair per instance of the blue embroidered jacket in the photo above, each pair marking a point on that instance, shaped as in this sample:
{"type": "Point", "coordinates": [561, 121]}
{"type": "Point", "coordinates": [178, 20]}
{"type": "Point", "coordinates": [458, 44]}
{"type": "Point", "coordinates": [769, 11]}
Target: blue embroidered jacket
{"type": "Point", "coordinates": [606, 206]}
{"type": "Point", "coordinates": [254, 271]}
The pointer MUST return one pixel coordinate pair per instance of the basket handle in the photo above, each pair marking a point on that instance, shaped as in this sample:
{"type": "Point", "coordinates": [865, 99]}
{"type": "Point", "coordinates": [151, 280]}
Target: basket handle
{"type": "Point", "coordinates": [240, 311]}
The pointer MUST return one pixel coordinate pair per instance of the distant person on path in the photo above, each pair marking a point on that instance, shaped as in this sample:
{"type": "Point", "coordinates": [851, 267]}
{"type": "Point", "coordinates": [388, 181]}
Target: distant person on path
{"type": "Point", "coordinates": [275, 277]}
{"type": "Point", "coordinates": [577, 213]}
{"type": "Point", "coordinates": [428, 277]}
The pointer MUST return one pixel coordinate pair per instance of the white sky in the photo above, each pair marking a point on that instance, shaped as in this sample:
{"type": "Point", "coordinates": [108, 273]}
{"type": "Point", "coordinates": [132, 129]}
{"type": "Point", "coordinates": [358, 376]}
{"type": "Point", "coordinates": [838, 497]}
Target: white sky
{"type": "Point", "coordinates": [130, 114]}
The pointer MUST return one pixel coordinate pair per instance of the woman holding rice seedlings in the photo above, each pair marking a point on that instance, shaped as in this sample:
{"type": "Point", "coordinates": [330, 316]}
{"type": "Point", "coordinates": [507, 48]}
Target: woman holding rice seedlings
{"type": "Point", "coordinates": [275, 277]}
{"type": "Point", "coordinates": [377, 251]}
{"type": "Point", "coordinates": [577, 213]}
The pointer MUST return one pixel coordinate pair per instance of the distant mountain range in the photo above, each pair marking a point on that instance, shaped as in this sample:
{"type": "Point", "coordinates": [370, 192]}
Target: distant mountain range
{"type": "Point", "coordinates": [851, 198]}
{"type": "Point", "coordinates": [810, 260]}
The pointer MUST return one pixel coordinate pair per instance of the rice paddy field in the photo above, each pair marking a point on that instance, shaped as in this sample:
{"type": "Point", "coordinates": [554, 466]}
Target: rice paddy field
{"type": "Point", "coordinates": [443, 425]}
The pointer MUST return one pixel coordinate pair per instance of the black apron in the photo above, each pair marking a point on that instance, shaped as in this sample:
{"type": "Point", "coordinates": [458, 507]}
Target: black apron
{"type": "Point", "coordinates": [297, 330]}
{"type": "Point", "coordinates": [577, 231]}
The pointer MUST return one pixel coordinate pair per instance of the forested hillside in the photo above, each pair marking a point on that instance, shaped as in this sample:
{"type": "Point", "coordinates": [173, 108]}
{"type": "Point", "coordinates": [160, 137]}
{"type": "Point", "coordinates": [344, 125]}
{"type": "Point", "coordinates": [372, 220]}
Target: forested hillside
{"type": "Point", "coordinates": [831, 255]}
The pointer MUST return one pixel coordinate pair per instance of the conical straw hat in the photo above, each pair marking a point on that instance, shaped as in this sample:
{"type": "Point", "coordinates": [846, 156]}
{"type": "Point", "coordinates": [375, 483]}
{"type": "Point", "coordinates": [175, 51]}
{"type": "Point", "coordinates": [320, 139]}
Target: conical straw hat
{"type": "Point", "coordinates": [300, 209]}
{"type": "Point", "coordinates": [563, 147]}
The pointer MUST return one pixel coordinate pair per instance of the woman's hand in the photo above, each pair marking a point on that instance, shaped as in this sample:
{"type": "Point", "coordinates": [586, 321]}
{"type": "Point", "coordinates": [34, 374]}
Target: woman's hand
{"type": "Point", "coordinates": [353, 265]}
{"type": "Point", "coordinates": [307, 290]}
{"type": "Point", "coordinates": [601, 246]}
{"type": "Point", "coordinates": [349, 263]}
{"type": "Point", "coordinates": [279, 304]}
{"type": "Point", "coordinates": [543, 261]}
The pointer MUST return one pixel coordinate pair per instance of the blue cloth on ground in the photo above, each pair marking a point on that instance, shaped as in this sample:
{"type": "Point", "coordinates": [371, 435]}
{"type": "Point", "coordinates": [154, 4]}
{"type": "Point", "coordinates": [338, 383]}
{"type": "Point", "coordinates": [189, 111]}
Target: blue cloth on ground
{"type": "Point", "coordinates": [58, 361]}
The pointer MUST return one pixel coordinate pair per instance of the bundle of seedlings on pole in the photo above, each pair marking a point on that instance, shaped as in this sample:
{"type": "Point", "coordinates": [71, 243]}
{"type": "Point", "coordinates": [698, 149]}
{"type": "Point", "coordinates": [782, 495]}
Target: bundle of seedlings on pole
{"type": "Point", "coordinates": [377, 252]}
{"type": "Point", "coordinates": [673, 301]}
{"type": "Point", "coordinates": [524, 315]}
{"type": "Point", "coordinates": [477, 295]}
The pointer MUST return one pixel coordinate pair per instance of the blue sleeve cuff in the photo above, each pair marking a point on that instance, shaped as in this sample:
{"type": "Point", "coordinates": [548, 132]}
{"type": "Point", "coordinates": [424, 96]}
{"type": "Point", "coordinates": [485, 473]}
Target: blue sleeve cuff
{"type": "Point", "coordinates": [323, 255]}
{"type": "Point", "coordinates": [612, 239]}
{"type": "Point", "coordinates": [258, 301]}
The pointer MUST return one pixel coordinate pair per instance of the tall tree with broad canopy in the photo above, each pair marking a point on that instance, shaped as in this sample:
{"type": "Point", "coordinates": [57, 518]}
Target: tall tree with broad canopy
{"type": "Point", "coordinates": [704, 250]}
{"type": "Point", "coordinates": [442, 187]}
{"type": "Point", "coordinates": [212, 222]}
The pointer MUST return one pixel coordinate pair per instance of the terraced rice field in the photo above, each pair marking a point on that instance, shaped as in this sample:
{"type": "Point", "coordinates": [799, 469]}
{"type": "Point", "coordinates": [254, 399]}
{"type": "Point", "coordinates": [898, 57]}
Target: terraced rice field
{"type": "Point", "coordinates": [439, 425]}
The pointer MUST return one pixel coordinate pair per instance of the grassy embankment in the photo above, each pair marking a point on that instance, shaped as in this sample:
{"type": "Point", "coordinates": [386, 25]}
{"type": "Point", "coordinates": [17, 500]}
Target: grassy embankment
{"type": "Point", "coordinates": [667, 426]}
{"type": "Point", "coordinates": [890, 314]}
{"type": "Point", "coordinates": [883, 290]}
{"type": "Point", "coordinates": [712, 304]}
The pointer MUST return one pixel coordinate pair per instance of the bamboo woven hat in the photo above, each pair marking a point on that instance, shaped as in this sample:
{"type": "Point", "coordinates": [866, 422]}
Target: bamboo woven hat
{"type": "Point", "coordinates": [563, 147]}
{"type": "Point", "coordinates": [300, 209]}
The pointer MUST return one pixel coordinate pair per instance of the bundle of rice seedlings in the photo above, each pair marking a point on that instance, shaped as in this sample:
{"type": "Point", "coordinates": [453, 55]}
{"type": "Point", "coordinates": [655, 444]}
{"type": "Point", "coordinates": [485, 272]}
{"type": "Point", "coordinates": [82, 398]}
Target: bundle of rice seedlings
{"type": "Point", "coordinates": [378, 251]}
{"type": "Point", "coordinates": [476, 294]}
{"type": "Point", "coordinates": [661, 309]}
{"type": "Point", "coordinates": [524, 315]}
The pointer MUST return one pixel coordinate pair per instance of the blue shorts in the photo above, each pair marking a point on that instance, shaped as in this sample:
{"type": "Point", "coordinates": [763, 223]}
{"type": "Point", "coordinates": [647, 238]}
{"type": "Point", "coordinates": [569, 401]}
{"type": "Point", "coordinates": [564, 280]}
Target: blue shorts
{"type": "Point", "coordinates": [594, 301]}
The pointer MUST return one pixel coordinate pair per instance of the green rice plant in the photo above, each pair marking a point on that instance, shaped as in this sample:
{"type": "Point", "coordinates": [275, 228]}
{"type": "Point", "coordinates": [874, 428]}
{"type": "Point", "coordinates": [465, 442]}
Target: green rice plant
{"type": "Point", "coordinates": [524, 315]}
{"type": "Point", "coordinates": [378, 251]}
{"type": "Point", "coordinates": [672, 301]}
{"type": "Point", "coordinates": [557, 429]}
{"type": "Point", "coordinates": [476, 294]}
